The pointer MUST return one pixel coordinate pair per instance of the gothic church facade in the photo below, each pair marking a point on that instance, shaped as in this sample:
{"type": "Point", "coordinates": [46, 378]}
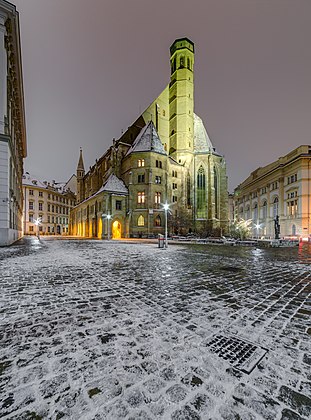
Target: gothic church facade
{"type": "Point", "coordinates": [166, 155]}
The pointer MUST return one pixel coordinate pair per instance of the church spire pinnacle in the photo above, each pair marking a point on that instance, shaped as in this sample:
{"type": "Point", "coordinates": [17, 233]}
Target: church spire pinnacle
{"type": "Point", "coordinates": [80, 166]}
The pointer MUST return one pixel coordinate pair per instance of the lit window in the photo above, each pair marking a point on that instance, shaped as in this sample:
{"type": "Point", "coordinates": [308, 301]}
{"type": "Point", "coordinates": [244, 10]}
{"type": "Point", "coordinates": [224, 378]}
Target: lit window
{"type": "Point", "coordinates": [292, 208]}
{"type": "Point", "coordinates": [141, 197]}
{"type": "Point", "coordinates": [141, 221]}
{"type": "Point", "coordinates": [141, 162]}
{"type": "Point", "coordinates": [157, 198]}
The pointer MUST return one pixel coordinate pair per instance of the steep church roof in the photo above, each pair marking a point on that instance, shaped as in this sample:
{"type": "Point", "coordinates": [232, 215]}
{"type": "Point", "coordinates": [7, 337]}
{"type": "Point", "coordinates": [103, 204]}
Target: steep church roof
{"type": "Point", "coordinates": [114, 184]}
{"type": "Point", "coordinates": [202, 142]}
{"type": "Point", "coordinates": [147, 141]}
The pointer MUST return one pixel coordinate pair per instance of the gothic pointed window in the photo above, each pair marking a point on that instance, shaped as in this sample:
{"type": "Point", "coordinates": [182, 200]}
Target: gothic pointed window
{"type": "Point", "coordinates": [141, 221]}
{"type": "Point", "coordinates": [157, 221]}
{"type": "Point", "coordinates": [216, 193]}
{"type": "Point", "coordinates": [201, 194]}
{"type": "Point", "coordinates": [188, 190]}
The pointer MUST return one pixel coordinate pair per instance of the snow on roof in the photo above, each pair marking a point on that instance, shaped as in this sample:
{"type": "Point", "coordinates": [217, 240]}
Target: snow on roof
{"type": "Point", "coordinates": [114, 184]}
{"type": "Point", "coordinates": [147, 141]}
{"type": "Point", "coordinates": [29, 180]}
{"type": "Point", "coordinates": [202, 142]}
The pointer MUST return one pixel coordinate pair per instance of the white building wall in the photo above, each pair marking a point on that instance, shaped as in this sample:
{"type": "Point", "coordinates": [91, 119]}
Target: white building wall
{"type": "Point", "coordinates": [12, 148]}
{"type": "Point", "coordinates": [4, 191]}
{"type": "Point", "coordinates": [3, 72]}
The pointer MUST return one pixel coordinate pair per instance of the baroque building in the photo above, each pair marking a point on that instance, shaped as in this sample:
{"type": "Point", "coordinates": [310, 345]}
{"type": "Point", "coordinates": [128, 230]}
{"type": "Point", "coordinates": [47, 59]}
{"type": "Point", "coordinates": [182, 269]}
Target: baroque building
{"type": "Point", "coordinates": [47, 206]}
{"type": "Point", "coordinates": [166, 155]}
{"type": "Point", "coordinates": [281, 189]}
{"type": "Point", "coordinates": [13, 147]}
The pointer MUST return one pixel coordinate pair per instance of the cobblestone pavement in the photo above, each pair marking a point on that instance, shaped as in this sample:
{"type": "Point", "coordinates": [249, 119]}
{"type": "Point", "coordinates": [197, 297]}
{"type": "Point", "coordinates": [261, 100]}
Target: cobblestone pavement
{"type": "Point", "coordinates": [114, 330]}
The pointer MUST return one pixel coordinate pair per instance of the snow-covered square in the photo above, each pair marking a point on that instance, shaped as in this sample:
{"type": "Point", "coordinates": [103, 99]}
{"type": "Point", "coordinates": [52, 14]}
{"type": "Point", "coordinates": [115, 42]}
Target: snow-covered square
{"type": "Point", "coordinates": [120, 330]}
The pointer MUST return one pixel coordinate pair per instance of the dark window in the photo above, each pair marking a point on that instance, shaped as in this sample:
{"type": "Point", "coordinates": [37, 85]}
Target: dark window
{"type": "Point", "coordinates": [141, 178]}
{"type": "Point", "coordinates": [188, 190]}
{"type": "Point", "coordinates": [118, 205]}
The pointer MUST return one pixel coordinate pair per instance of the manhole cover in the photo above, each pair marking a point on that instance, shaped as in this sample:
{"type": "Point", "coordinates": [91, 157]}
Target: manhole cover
{"type": "Point", "coordinates": [240, 354]}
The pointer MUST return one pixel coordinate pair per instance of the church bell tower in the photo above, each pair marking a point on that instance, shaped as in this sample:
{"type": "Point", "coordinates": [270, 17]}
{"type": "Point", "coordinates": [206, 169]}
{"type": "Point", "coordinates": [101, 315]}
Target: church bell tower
{"type": "Point", "coordinates": [181, 100]}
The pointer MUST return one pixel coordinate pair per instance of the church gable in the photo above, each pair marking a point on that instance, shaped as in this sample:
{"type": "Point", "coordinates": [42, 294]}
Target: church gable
{"type": "Point", "coordinates": [147, 141]}
{"type": "Point", "coordinates": [115, 185]}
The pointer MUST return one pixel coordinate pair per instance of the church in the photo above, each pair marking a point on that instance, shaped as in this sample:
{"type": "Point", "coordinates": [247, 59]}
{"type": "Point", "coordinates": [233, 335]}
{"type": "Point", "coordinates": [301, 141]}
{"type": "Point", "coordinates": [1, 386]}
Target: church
{"type": "Point", "coordinates": [165, 156]}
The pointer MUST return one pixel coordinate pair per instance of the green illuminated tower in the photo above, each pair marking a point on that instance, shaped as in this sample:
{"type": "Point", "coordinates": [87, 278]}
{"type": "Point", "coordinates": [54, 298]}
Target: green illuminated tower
{"type": "Point", "coordinates": [181, 101]}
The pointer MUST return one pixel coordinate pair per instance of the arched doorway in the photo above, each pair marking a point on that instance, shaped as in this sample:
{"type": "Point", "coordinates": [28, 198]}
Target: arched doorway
{"type": "Point", "coordinates": [116, 230]}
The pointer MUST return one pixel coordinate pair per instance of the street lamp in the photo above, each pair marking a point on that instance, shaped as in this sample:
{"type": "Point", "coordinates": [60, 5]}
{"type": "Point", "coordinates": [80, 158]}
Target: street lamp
{"type": "Point", "coordinates": [257, 226]}
{"type": "Point", "coordinates": [108, 217]}
{"type": "Point", "coordinates": [38, 223]}
{"type": "Point", "coordinates": [166, 207]}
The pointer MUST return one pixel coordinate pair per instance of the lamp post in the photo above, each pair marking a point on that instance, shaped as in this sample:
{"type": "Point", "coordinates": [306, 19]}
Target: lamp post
{"type": "Point", "coordinates": [257, 226]}
{"type": "Point", "coordinates": [166, 206]}
{"type": "Point", "coordinates": [38, 223]}
{"type": "Point", "coordinates": [108, 216]}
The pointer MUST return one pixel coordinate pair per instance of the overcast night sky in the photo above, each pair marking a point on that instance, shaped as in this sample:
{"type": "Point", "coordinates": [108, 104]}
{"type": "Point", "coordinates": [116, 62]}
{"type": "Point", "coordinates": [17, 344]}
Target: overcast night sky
{"type": "Point", "coordinates": [92, 66]}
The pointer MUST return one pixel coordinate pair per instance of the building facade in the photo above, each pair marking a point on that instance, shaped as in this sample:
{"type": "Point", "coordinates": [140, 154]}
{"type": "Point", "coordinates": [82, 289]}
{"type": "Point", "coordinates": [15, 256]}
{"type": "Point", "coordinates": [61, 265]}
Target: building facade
{"type": "Point", "coordinates": [12, 126]}
{"type": "Point", "coordinates": [165, 155]}
{"type": "Point", "coordinates": [47, 206]}
{"type": "Point", "coordinates": [283, 189]}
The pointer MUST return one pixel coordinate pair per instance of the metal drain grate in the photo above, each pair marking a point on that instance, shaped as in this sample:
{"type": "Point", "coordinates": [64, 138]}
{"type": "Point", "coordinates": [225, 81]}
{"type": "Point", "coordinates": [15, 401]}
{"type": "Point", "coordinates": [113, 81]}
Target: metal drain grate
{"type": "Point", "coordinates": [239, 353]}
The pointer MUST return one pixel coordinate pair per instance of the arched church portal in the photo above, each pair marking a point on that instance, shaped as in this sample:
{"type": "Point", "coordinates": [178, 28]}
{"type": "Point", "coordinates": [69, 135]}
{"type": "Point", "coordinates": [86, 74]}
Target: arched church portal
{"type": "Point", "coordinates": [116, 230]}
